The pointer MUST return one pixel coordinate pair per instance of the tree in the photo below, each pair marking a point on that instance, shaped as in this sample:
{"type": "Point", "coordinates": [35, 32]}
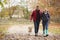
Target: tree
{"type": "Point", "coordinates": [1, 2]}
{"type": "Point", "coordinates": [2, 5]}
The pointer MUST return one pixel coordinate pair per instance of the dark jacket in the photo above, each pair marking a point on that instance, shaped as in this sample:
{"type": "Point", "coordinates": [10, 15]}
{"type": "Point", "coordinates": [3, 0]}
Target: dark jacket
{"type": "Point", "coordinates": [45, 17]}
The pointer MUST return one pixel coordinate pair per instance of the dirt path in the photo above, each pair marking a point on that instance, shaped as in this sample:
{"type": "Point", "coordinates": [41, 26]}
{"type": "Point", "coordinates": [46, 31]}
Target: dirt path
{"type": "Point", "coordinates": [29, 37]}
{"type": "Point", "coordinates": [17, 30]}
{"type": "Point", "coordinates": [21, 32]}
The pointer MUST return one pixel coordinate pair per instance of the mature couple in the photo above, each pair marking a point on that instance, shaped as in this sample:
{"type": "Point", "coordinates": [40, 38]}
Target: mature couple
{"type": "Point", "coordinates": [37, 16]}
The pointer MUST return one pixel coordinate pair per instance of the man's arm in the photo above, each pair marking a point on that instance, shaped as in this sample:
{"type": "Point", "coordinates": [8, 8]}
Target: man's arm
{"type": "Point", "coordinates": [41, 14]}
{"type": "Point", "coordinates": [31, 15]}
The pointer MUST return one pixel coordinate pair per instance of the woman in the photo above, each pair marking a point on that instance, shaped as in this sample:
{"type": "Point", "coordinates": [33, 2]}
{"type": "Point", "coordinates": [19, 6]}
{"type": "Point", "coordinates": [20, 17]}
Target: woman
{"type": "Point", "coordinates": [45, 21]}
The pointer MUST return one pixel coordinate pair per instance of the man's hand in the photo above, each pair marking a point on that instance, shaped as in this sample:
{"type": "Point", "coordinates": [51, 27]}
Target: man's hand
{"type": "Point", "coordinates": [30, 20]}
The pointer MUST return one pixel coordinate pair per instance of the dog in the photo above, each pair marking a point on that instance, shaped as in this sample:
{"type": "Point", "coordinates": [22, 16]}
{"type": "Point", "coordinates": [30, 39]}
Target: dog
{"type": "Point", "coordinates": [29, 30]}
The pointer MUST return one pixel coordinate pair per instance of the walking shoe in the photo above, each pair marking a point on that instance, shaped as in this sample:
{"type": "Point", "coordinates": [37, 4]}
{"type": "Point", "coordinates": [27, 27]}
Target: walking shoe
{"type": "Point", "coordinates": [44, 35]}
{"type": "Point", "coordinates": [36, 34]}
{"type": "Point", "coordinates": [47, 35]}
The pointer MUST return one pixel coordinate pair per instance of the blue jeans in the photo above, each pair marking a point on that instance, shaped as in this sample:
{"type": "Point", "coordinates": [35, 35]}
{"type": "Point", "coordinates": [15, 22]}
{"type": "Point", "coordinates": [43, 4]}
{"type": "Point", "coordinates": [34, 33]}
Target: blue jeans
{"type": "Point", "coordinates": [36, 26]}
{"type": "Point", "coordinates": [45, 27]}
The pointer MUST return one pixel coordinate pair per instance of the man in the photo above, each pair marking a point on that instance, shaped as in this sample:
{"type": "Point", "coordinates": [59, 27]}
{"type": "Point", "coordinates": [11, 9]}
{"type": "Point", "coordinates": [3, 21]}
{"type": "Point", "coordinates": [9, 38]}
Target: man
{"type": "Point", "coordinates": [45, 21]}
{"type": "Point", "coordinates": [36, 16]}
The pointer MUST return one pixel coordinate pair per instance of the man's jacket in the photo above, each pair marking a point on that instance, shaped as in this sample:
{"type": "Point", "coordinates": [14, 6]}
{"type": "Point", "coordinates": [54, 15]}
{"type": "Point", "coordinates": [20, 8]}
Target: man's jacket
{"type": "Point", "coordinates": [34, 16]}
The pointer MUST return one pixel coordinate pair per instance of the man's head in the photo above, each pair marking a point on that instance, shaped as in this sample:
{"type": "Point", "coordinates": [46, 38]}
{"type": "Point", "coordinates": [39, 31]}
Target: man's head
{"type": "Point", "coordinates": [37, 7]}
